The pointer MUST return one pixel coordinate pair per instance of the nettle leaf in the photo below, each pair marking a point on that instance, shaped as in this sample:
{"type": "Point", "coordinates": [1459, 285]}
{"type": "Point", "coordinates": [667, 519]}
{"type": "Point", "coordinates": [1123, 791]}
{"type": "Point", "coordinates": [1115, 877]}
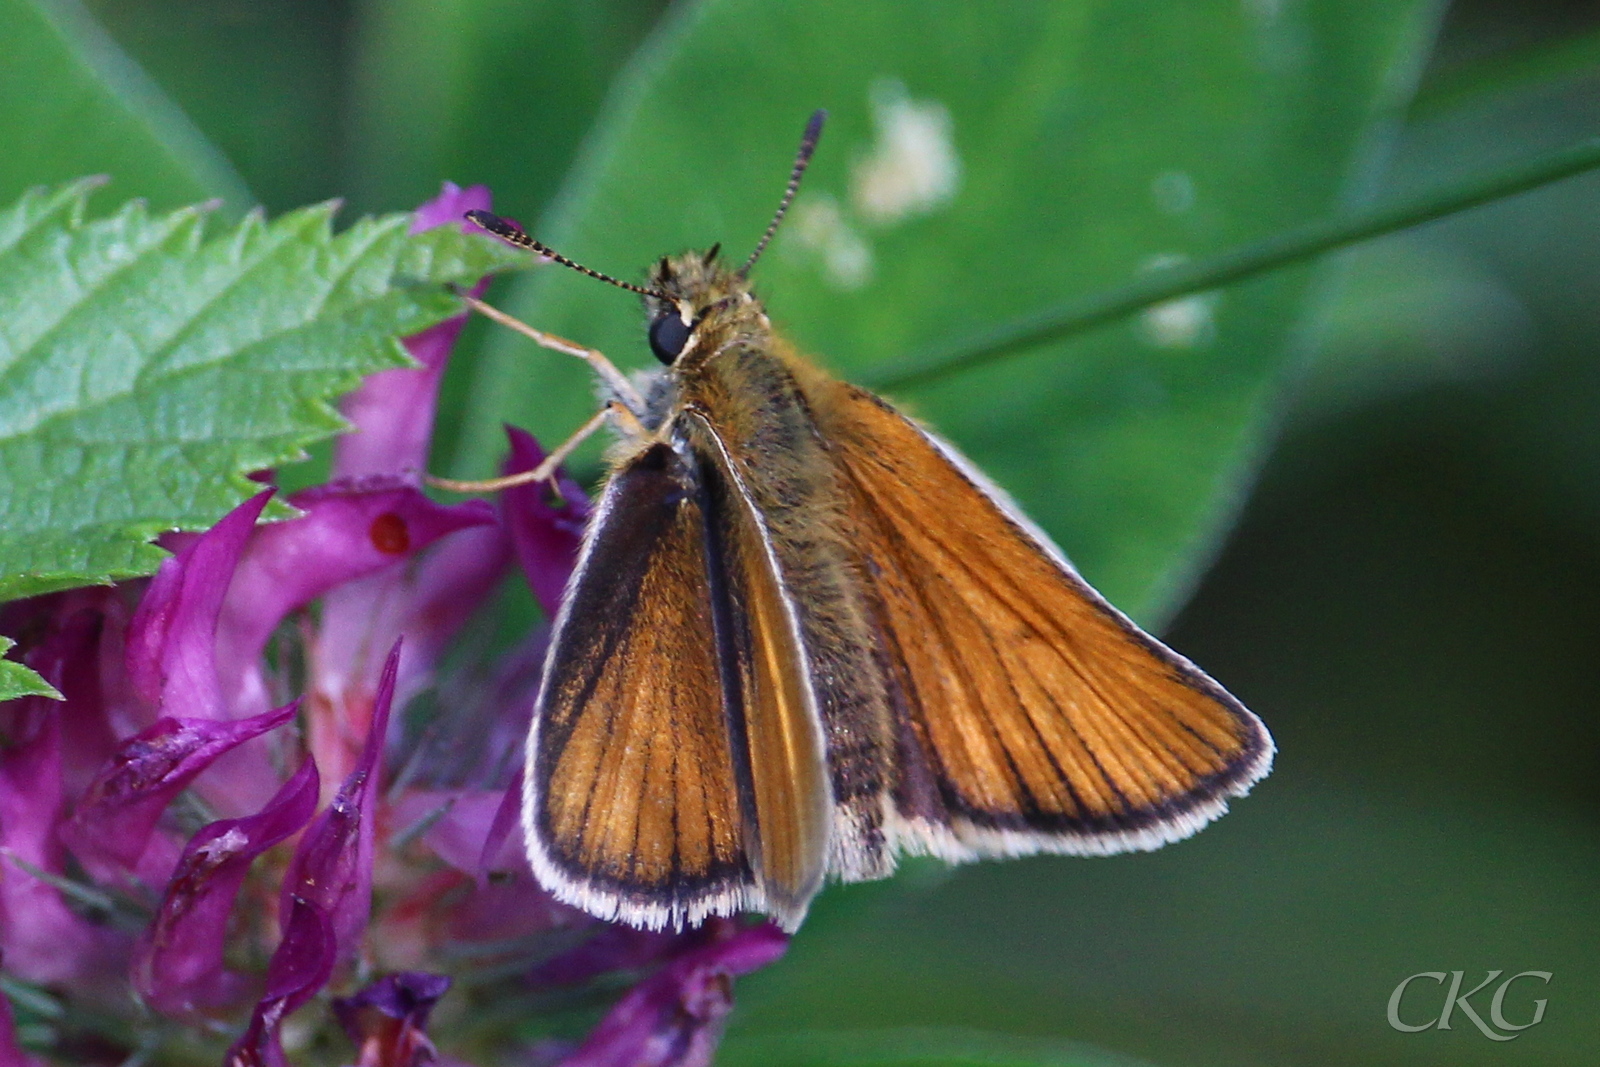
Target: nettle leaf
{"type": "Point", "coordinates": [146, 368]}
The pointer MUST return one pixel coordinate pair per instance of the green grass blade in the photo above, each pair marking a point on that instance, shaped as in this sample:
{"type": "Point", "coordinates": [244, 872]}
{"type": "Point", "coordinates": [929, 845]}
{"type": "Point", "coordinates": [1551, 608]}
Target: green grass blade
{"type": "Point", "coordinates": [1274, 253]}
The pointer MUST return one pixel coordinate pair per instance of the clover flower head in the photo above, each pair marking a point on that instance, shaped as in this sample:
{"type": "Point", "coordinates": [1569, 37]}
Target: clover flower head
{"type": "Point", "coordinates": [231, 839]}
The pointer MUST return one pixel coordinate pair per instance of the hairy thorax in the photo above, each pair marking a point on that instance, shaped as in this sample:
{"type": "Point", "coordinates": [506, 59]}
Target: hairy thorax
{"type": "Point", "coordinates": [741, 391]}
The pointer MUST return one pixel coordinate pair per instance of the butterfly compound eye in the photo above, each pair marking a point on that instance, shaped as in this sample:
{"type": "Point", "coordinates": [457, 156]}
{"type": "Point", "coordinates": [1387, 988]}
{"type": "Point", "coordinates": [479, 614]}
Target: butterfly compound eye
{"type": "Point", "coordinates": [668, 335]}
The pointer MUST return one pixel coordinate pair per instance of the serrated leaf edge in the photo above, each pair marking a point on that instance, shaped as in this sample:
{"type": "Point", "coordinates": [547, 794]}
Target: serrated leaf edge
{"type": "Point", "coordinates": [20, 680]}
{"type": "Point", "coordinates": [70, 199]}
{"type": "Point", "coordinates": [41, 206]}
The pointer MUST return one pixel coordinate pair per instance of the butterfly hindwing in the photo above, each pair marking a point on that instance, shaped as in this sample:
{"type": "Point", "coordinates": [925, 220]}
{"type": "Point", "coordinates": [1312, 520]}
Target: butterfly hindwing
{"type": "Point", "coordinates": [766, 668]}
{"type": "Point", "coordinates": [1034, 717]}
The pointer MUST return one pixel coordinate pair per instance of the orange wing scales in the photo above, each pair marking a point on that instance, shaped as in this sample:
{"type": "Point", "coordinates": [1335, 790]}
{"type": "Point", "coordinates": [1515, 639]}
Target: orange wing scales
{"type": "Point", "coordinates": [752, 418]}
{"type": "Point", "coordinates": [632, 796]}
{"type": "Point", "coordinates": [1046, 720]}
{"type": "Point", "coordinates": [805, 635]}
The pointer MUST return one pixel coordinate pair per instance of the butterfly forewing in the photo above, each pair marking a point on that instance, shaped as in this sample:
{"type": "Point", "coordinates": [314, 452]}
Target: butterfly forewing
{"type": "Point", "coordinates": [632, 800]}
{"type": "Point", "coordinates": [667, 776]}
{"type": "Point", "coordinates": [1035, 717]}
{"type": "Point", "coordinates": [805, 635]}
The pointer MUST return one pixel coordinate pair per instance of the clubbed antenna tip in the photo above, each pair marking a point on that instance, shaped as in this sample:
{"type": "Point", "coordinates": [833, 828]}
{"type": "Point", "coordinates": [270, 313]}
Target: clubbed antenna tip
{"type": "Point", "coordinates": [507, 230]}
{"type": "Point", "coordinates": [808, 145]}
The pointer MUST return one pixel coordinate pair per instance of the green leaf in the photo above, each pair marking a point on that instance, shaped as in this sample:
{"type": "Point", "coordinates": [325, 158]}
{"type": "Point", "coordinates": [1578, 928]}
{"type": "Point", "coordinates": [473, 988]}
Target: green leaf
{"type": "Point", "coordinates": [1285, 926]}
{"type": "Point", "coordinates": [912, 1047]}
{"type": "Point", "coordinates": [18, 681]}
{"type": "Point", "coordinates": [1094, 142]}
{"type": "Point", "coordinates": [145, 369]}
{"type": "Point", "coordinates": [72, 103]}
{"type": "Point", "coordinates": [1540, 66]}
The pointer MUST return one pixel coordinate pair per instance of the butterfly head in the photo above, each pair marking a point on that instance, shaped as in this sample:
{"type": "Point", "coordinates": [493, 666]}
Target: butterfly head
{"type": "Point", "coordinates": [693, 297]}
{"type": "Point", "coordinates": [695, 303]}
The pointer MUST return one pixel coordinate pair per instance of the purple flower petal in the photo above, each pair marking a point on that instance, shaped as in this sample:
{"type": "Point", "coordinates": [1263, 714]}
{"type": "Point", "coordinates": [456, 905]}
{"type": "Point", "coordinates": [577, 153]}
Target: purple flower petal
{"type": "Point", "coordinates": [178, 968]}
{"type": "Point", "coordinates": [461, 819]}
{"type": "Point", "coordinates": [406, 995]}
{"type": "Point", "coordinates": [452, 203]}
{"type": "Point", "coordinates": [301, 965]}
{"type": "Point", "coordinates": [362, 618]}
{"type": "Point", "coordinates": [41, 939]}
{"type": "Point", "coordinates": [614, 947]}
{"type": "Point", "coordinates": [488, 721]}
{"type": "Point", "coordinates": [112, 824]}
{"type": "Point", "coordinates": [349, 530]}
{"type": "Point", "coordinates": [674, 1018]}
{"type": "Point", "coordinates": [506, 908]}
{"type": "Point", "coordinates": [448, 587]}
{"type": "Point", "coordinates": [510, 909]}
{"type": "Point", "coordinates": [387, 1020]}
{"type": "Point", "coordinates": [332, 867]}
{"type": "Point", "coordinates": [392, 411]}
{"type": "Point", "coordinates": [545, 533]}
{"type": "Point", "coordinates": [507, 814]}
{"type": "Point", "coordinates": [172, 643]}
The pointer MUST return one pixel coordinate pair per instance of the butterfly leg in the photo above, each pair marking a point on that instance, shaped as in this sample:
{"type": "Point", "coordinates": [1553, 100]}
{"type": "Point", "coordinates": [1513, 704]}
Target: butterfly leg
{"type": "Point", "coordinates": [546, 470]}
{"type": "Point", "coordinates": [614, 378]}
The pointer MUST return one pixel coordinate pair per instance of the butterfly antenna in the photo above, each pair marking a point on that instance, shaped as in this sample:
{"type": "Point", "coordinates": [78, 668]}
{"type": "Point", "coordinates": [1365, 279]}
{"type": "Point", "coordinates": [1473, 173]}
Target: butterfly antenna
{"type": "Point", "coordinates": [507, 230]}
{"type": "Point", "coordinates": [808, 145]}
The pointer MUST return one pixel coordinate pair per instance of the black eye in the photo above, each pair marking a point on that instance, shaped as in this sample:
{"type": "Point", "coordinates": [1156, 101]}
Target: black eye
{"type": "Point", "coordinates": [668, 335]}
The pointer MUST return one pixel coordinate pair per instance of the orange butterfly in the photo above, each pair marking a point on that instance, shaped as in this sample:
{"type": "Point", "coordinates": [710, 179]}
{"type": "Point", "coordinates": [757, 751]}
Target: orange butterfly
{"type": "Point", "coordinates": [805, 636]}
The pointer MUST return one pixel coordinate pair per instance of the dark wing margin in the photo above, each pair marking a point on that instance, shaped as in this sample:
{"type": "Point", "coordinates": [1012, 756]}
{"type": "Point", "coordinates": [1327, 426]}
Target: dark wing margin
{"type": "Point", "coordinates": [669, 776]}
{"type": "Point", "coordinates": [1033, 716]}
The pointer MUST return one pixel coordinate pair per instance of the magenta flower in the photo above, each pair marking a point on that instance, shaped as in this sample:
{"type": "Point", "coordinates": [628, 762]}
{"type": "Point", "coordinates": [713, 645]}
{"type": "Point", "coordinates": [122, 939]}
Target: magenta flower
{"type": "Point", "coordinates": [272, 823]}
{"type": "Point", "coordinates": [674, 1018]}
{"type": "Point", "coordinates": [387, 1021]}
{"type": "Point", "coordinates": [180, 966]}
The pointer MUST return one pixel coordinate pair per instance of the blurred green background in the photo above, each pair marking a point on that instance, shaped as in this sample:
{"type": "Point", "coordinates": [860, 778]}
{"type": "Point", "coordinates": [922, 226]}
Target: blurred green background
{"type": "Point", "coordinates": [1363, 493]}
